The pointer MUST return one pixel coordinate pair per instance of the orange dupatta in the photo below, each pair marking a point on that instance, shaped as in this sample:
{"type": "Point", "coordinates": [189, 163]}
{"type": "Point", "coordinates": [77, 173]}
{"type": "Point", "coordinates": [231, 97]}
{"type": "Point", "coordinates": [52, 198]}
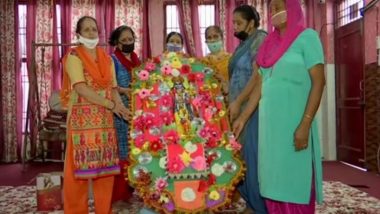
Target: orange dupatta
{"type": "Point", "coordinates": [100, 72]}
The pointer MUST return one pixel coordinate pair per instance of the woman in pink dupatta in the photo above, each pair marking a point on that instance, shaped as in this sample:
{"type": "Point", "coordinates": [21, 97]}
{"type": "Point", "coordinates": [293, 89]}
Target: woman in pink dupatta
{"type": "Point", "coordinates": [288, 87]}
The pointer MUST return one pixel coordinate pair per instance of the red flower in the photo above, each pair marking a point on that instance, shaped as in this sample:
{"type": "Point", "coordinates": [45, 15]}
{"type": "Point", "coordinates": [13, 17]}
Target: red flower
{"type": "Point", "coordinates": [157, 60]}
{"type": "Point", "coordinates": [214, 133]}
{"type": "Point", "coordinates": [199, 77]}
{"type": "Point", "coordinates": [167, 117]}
{"type": "Point", "coordinates": [211, 179]}
{"type": "Point", "coordinates": [171, 137]}
{"type": "Point", "coordinates": [139, 141]}
{"type": "Point", "coordinates": [211, 143]}
{"type": "Point", "coordinates": [175, 165]}
{"type": "Point", "coordinates": [139, 123]}
{"type": "Point", "coordinates": [156, 145]}
{"type": "Point", "coordinates": [166, 101]}
{"type": "Point", "coordinates": [191, 77]}
{"type": "Point", "coordinates": [150, 121]}
{"type": "Point", "coordinates": [185, 69]}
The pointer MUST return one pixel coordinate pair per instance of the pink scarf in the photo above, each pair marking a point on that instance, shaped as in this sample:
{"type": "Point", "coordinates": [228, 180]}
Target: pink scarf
{"type": "Point", "coordinates": [275, 45]}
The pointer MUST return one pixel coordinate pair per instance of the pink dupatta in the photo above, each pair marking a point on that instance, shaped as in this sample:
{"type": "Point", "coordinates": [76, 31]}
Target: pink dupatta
{"type": "Point", "coordinates": [275, 45]}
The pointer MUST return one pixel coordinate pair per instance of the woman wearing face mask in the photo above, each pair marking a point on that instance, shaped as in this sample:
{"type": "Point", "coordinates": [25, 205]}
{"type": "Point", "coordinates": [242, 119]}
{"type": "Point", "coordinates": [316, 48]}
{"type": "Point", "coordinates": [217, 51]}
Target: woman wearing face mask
{"type": "Point", "coordinates": [90, 92]}
{"type": "Point", "coordinates": [174, 42]}
{"type": "Point", "coordinates": [291, 81]}
{"type": "Point", "coordinates": [246, 20]}
{"type": "Point", "coordinates": [218, 57]}
{"type": "Point", "coordinates": [125, 59]}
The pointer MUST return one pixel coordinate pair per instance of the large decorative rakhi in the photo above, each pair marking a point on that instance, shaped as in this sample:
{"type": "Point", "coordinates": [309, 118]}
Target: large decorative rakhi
{"type": "Point", "coordinates": [183, 156]}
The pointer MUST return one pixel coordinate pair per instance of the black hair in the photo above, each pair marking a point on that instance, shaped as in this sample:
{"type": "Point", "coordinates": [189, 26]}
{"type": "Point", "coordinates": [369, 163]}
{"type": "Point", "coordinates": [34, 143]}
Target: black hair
{"type": "Point", "coordinates": [217, 28]}
{"type": "Point", "coordinates": [249, 13]}
{"type": "Point", "coordinates": [79, 23]}
{"type": "Point", "coordinates": [172, 34]}
{"type": "Point", "coordinates": [115, 35]}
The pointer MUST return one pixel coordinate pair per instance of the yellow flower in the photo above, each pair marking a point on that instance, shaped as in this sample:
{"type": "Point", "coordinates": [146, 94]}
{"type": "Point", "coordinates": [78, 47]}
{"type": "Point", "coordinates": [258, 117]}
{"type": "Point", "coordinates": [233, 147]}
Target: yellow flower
{"type": "Point", "coordinates": [222, 113]}
{"type": "Point", "coordinates": [214, 85]}
{"type": "Point", "coordinates": [163, 199]}
{"type": "Point", "coordinates": [146, 145]}
{"type": "Point", "coordinates": [185, 157]}
{"type": "Point", "coordinates": [136, 151]}
{"type": "Point", "coordinates": [191, 60]}
{"type": "Point", "coordinates": [176, 63]}
{"type": "Point", "coordinates": [214, 195]}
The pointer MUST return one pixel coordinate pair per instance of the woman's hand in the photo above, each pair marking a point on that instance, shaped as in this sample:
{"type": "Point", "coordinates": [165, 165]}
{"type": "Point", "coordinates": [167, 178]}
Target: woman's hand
{"type": "Point", "coordinates": [301, 136]}
{"type": "Point", "coordinates": [238, 126]}
{"type": "Point", "coordinates": [121, 111]}
{"type": "Point", "coordinates": [125, 91]}
{"type": "Point", "coordinates": [234, 110]}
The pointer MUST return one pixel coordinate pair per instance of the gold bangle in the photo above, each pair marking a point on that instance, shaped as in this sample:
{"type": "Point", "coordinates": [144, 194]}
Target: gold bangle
{"type": "Point", "coordinates": [308, 116]}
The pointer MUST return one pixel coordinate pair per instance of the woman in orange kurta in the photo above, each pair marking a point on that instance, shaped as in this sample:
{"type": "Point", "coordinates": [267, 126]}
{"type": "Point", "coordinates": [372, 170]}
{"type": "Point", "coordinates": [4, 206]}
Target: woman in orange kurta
{"type": "Point", "coordinates": [89, 91]}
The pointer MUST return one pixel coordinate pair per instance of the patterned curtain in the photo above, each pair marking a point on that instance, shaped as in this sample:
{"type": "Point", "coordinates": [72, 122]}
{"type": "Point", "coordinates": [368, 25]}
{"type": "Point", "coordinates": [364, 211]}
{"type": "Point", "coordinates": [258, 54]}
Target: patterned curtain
{"type": "Point", "coordinates": [9, 71]}
{"type": "Point", "coordinates": [129, 12]}
{"type": "Point", "coordinates": [261, 7]}
{"type": "Point", "coordinates": [189, 25]}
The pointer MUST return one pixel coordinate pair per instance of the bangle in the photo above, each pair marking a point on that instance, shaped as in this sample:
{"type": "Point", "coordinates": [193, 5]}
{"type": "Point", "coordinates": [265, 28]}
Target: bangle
{"type": "Point", "coordinates": [308, 116]}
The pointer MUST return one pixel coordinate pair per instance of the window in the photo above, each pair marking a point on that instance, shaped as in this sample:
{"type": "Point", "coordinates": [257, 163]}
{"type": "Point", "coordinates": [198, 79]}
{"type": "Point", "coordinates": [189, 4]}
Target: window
{"type": "Point", "coordinates": [24, 68]}
{"type": "Point", "coordinates": [172, 19]}
{"type": "Point", "coordinates": [348, 11]}
{"type": "Point", "coordinates": [206, 18]}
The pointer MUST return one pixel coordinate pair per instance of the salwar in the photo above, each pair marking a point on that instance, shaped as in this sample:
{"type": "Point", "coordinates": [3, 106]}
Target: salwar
{"type": "Point", "coordinates": [279, 207]}
{"type": "Point", "coordinates": [75, 191]}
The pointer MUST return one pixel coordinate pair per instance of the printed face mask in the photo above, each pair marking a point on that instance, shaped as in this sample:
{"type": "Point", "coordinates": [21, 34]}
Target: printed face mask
{"type": "Point", "coordinates": [215, 47]}
{"type": "Point", "coordinates": [171, 47]}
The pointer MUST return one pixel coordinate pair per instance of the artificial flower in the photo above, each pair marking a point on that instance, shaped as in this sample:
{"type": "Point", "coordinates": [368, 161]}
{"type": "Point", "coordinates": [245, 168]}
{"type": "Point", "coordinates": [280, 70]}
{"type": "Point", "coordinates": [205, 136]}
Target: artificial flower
{"type": "Point", "coordinates": [214, 133]}
{"type": "Point", "coordinates": [156, 145]}
{"type": "Point", "coordinates": [176, 63]}
{"type": "Point", "coordinates": [143, 75]}
{"type": "Point", "coordinates": [185, 69]}
{"type": "Point", "coordinates": [186, 158]}
{"type": "Point", "coordinates": [164, 199]}
{"type": "Point", "coordinates": [214, 195]}
{"type": "Point", "coordinates": [144, 93]}
{"type": "Point", "coordinates": [199, 77]}
{"type": "Point", "coordinates": [161, 184]}
{"type": "Point", "coordinates": [167, 117]}
{"type": "Point", "coordinates": [175, 165]}
{"type": "Point", "coordinates": [188, 194]}
{"type": "Point", "coordinates": [166, 70]}
{"type": "Point", "coordinates": [157, 60]}
{"type": "Point", "coordinates": [175, 73]}
{"type": "Point", "coordinates": [191, 77]}
{"type": "Point", "coordinates": [190, 147]}
{"type": "Point", "coordinates": [150, 120]}
{"type": "Point", "coordinates": [139, 123]}
{"type": "Point", "coordinates": [140, 141]}
{"type": "Point", "coordinates": [199, 163]}
{"type": "Point", "coordinates": [136, 151]}
{"type": "Point", "coordinates": [171, 137]}
{"type": "Point", "coordinates": [217, 169]}
{"type": "Point", "coordinates": [150, 66]}
{"type": "Point", "coordinates": [212, 143]}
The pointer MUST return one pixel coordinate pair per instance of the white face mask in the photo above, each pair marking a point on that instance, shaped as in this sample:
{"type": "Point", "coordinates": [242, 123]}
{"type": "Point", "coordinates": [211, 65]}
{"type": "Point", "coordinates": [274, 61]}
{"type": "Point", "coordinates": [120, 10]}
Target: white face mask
{"type": "Point", "coordinates": [88, 43]}
{"type": "Point", "coordinates": [279, 18]}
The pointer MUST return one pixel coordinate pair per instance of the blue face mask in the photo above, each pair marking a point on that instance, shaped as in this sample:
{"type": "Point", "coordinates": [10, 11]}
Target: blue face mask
{"type": "Point", "coordinates": [173, 47]}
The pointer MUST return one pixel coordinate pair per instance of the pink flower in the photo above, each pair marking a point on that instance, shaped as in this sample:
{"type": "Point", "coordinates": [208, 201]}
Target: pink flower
{"type": "Point", "coordinates": [144, 75]}
{"type": "Point", "coordinates": [171, 137]}
{"type": "Point", "coordinates": [140, 141]}
{"type": "Point", "coordinates": [150, 66]}
{"type": "Point", "coordinates": [204, 133]}
{"type": "Point", "coordinates": [166, 101]}
{"type": "Point", "coordinates": [144, 93]}
{"type": "Point", "coordinates": [139, 123]}
{"type": "Point", "coordinates": [197, 101]}
{"type": "Point", "coordinates": [161, 184]}
{"type": "Point", "coordinates": [235, 145]}
{"type": "Point", "coordinates": [214, 133]}
{"type": "Point", "coordinates": [199, 163]}
{"type": "Point", "coordinates": [175, 165]}
{"type": "Point", "coordinates": [199, 77]}
{"type": "Point", "coordinates": [167, 117]}
{"type": "Point", "coordinates": [166, 70]}
{"type": "Point", "coordinates": [150, 121]}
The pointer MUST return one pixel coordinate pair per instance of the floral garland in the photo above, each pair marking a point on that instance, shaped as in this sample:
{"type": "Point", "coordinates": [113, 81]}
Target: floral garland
{"type": "Point", "coordinates": [182, 151]}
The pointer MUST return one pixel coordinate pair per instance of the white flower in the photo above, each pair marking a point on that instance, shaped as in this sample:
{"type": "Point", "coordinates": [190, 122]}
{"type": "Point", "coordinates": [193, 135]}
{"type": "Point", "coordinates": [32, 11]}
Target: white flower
{"type": "Point", "coordinates": [188, 195]}
{"type": "Point", "coordinates": [162, 163]}
{"type": "Point", "coordinates": [190, 148]}
{"type": "Point", "coordinates": [217, 169]}
{"type": "Point", "coordinates": [175, 73]}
